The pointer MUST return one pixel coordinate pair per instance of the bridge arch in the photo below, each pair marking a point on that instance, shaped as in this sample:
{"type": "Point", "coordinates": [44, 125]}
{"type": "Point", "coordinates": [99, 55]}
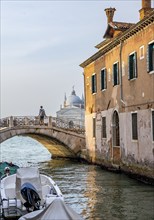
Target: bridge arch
{"type": "Point", "coordinates": [72, 142]}
{"type": "Point", "coordinates": [54, 146]}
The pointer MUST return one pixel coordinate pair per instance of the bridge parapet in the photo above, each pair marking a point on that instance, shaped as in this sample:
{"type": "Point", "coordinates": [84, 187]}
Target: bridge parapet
{"type": "Point", "coordinates": [14, 121]}
{"type": "Point", "coordinates": [50, 122]}
{"type": "Point", "coordinates": [67, 125]}
{"type": "Point", "coordinates": [4, 122]}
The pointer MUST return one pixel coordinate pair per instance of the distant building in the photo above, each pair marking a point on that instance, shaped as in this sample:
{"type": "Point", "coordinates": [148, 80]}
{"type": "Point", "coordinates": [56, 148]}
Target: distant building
{"type": "Point", "coordinates": [72, 110]}
{"type": "Point", "coordinates": [119, 95]}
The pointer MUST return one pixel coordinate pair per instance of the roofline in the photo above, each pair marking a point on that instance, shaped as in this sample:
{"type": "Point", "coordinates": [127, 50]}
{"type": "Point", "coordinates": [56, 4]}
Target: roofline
{"type": "Point", "coordinates": [128, 33]}
{"type": "Point", "coordinates": [103, 43]}
{"type": "Point", "coordinates": [110, 25]}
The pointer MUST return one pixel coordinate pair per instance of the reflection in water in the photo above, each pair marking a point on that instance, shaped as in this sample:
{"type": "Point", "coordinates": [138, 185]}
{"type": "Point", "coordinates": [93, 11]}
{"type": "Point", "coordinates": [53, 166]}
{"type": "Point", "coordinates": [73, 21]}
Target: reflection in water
{"type": "Point", "coordinates": [101, 195]}
{"type": "Point", "coordinates": [92, 192]}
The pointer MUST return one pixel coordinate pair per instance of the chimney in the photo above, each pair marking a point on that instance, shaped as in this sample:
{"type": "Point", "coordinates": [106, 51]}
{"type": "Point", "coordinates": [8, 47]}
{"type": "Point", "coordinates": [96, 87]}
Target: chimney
{"type": "Point", "coordinates": [146, 3]}
{"type": "Point", "coordinates": [146, 8]}
{"type": "Point", "coordinates": [110, 14]}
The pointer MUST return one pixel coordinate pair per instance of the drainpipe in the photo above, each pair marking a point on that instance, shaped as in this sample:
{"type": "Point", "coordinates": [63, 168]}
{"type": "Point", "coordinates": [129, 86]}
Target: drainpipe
{"type": "Point", "coordinates": [121, 84]}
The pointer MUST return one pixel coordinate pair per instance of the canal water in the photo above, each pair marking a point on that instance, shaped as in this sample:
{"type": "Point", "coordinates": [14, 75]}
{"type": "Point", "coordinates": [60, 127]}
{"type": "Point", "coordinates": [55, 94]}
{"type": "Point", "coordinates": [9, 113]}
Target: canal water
{"type": "Point", "coordinates": [91, 191]}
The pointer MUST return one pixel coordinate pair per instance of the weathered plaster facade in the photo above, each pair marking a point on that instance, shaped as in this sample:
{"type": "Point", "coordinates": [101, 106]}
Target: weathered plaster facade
{"type": "Point", "coordinates": [116, 103]}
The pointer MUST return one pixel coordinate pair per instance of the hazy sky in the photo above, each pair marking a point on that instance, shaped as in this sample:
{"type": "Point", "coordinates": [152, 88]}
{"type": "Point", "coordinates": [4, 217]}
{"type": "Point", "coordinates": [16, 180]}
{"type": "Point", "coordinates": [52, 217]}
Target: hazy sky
{"type": "Point", "coordinates": [42, 45]}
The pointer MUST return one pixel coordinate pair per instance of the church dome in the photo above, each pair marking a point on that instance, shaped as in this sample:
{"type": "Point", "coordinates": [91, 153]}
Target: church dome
{"type": "Point", "coordinates": [74, 100]}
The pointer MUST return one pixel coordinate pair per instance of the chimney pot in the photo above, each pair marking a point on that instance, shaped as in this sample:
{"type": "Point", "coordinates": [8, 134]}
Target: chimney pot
{"type": "Point", "coordinates": [146, 3]}
{"type": "Point", "coordinates": [146, 8]}
{"type": "Point", "coordinates": [110, 13]}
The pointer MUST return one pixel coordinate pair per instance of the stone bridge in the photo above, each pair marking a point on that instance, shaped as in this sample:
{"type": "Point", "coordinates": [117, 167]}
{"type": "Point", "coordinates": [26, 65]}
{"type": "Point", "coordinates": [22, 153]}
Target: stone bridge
{"type": "Point", "coordinates": [54, 129]}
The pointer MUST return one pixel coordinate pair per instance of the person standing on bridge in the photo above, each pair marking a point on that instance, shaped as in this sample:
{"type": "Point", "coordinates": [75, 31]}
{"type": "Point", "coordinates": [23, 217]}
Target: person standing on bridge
{"type": "Point", "coordinates": [42, 115]}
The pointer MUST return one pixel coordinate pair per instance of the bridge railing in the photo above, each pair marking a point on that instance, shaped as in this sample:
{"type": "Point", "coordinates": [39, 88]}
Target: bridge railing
{"type": "Point", "coordinates": [68, 125]}
{"type": "Point", "coordinates": [17, 121]}
{"type": "Point", "coordinates": [14, 121]}
{"type": "Point", "coordinates": [4, 122]}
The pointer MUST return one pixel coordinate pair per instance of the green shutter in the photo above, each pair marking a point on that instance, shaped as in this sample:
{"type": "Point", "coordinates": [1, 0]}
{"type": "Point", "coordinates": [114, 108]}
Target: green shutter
{"type": "Point", "coordinates": [101, 80]}
{"type": "Point", "coordinates": [103, 86]}
{"type": "Point", "coordinates": [135, 63]}
{"type": "Point", "coordinates": [151, 48]}
{"type": "Point", "coordinates": [95, 84]}
{"type": "Point", "coordinates": [113, 74]}
{"type": "Point", "coordinates": [152, 56]}
{"type": "Point", "coordinates": [153, 124]}
{"type": "Point", "coordinates": [105, 78]}
{"type": "Point", "coordinates": [118, 73]}
{"type": "Point", "coordinates": [92, 83]}
{"type": "Point", "coordinates": [129, 67]}
{"type": "Point", "coordinates": [148, 51]}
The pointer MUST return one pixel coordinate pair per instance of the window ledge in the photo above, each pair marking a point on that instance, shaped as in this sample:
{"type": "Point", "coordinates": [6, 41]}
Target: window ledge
{"type": "Point", "coordinates": [116, 146]}
{"type": "Point", "coordinates": [115, 85]}
{"type": "Point", "coordinates": [135, 141]}
{"type": "Point", "coordinates": [151, 72]}
{"type": "Point", "coordinates": [103, 90]}
{"type": "Point", "coordinates": [133, 79]}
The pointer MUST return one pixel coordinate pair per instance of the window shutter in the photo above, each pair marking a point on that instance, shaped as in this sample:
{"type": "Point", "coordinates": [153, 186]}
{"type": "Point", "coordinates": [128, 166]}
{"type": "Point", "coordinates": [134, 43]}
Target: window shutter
{"type": "Point", "coordinates": [135, 63]}
{"type": "Point", "coordinates": [153, 124]}
{"type": "Point", "coordinates": [95, 83]}
{"type": "Point", "coordinates": [151, 57]}
{"type": "Point", "coordinates": [101, 80]}
{"type": "Point", "coordinates": [113, 74]}
{"type": "Point", "coordinates": [92, 84]}
{"type": "Point", "coordinates": [105, 78]}
{"type": "Point", "coordinates": [129, 67]}
{"type": "Point", "coordinates": [148, 51]}
{"type": "Point", "coordinates": [118, 73]}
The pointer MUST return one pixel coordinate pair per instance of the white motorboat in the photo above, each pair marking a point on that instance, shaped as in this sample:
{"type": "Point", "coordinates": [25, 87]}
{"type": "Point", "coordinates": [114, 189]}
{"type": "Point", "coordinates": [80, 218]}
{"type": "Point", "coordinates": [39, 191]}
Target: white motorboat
{"type": "Point", "coordinates": [57, 210]}
{"type": "Point", "coordinates": [27, 191]}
